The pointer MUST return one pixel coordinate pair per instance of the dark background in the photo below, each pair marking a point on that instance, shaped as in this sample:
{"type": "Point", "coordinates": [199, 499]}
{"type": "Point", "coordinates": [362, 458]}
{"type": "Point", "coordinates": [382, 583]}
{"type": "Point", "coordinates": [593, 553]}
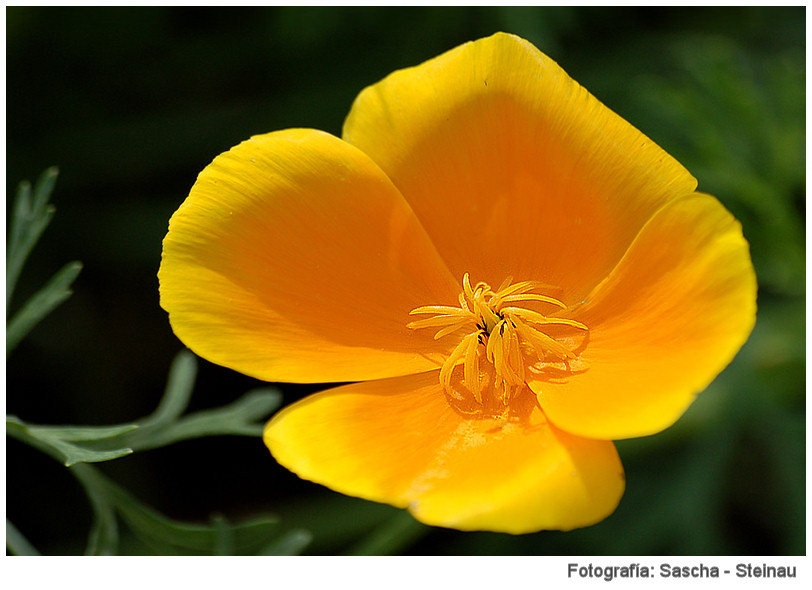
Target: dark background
{"type": "Point", "coordinates": [132, 103]}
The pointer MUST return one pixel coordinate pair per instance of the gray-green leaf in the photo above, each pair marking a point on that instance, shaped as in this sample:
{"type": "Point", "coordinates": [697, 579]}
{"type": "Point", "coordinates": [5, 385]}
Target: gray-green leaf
{"type": "Point", "coordinates": [41, 304]}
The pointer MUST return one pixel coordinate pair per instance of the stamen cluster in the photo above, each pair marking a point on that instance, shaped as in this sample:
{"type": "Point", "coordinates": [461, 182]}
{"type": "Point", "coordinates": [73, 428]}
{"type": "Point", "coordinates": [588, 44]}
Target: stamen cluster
{"type": "Point", "coordinates": [499, 333]}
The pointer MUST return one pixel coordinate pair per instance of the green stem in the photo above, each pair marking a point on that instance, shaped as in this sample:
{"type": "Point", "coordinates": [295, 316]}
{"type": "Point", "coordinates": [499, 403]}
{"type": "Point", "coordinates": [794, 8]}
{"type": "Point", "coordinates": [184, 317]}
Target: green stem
{"type": "Point", "coordinates": [392, 537]}
{"type": "Point", "coordinates": [16, 543]}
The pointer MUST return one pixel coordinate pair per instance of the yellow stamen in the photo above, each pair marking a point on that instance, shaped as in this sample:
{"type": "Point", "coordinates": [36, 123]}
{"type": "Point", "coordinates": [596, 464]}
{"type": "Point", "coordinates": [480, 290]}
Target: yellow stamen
{"type": "Point", "coordinates": [507, 337]}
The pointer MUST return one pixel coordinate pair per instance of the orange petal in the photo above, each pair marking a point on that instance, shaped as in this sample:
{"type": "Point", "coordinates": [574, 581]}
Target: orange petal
{"type": "Point", "coordinates": [294, 258]}
{"type": "Point", "coordinates": [666, 321]}
{"type": "Point", "coordinates": [399, 441]}
{"type": "Point", "coordinates": [512, 167]}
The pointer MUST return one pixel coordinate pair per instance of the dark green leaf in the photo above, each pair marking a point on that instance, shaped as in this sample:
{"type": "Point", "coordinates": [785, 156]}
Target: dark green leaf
{"type": "Point", "coordinates": [74, 454]}
{"type": "Point", "coordinates": [16, 543]}
{"type": "Point", "coordinates": [80, 433]}
{"type": "Point", "coordinates": [392, 537]}
{"type": "Point", "coordinates": [289, 543]}
{"type": "Point", "coordinates": [179, 388]}
{"type": "Point", "coordinates": [144, 520]}
{"type": "Point", "coordinates": [41, 304]}
{"type": "Point", "coordinates": [103, 538]}
{"type": "Point", "coordinates": [245, 417]}
{"type": "Point", "coordinates": [223, 535]}
{"type": "Point", "coordinates": [58, 442]}
{"type": "Point", "coordinates": [29, 217]}
{"type": "Point", "coordinates": [166, 534]}
{"type": "Point", "coordinates": [91, 444]}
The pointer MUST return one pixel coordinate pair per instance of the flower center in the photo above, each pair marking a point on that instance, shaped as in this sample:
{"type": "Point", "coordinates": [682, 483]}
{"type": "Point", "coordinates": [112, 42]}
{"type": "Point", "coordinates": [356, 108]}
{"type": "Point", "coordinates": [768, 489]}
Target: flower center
{"type": "Point", "coordinates": [504, 339]}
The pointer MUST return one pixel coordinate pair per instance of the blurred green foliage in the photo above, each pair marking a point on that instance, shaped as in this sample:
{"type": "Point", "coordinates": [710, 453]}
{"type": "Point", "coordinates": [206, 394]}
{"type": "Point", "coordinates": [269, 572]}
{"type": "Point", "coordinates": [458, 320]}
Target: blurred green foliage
{"type": "Point", "coordinates": [132, 103]}
{"type": "Point", "coordinates": [76, 446]}
{"type": "Point", "coordinates": [30, 215]}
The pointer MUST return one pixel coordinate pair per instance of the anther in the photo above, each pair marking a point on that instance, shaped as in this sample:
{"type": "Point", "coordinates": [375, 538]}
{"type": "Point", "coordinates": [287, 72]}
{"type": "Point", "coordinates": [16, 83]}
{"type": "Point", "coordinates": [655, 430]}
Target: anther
{"type": "Point", "coordinates": [499, 332]}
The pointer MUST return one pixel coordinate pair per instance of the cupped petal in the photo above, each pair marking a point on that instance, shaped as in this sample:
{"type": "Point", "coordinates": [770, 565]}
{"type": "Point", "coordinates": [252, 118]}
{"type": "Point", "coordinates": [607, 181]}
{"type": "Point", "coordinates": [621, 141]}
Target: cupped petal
{"type": "Point", "coordinates": [294, 258]}
{"type": "Point", "coordinates": [513, 168]}
{"type": "Point", "coordinates": [662, 326]}
{"type": "Point", "coordinates": [399, 441]}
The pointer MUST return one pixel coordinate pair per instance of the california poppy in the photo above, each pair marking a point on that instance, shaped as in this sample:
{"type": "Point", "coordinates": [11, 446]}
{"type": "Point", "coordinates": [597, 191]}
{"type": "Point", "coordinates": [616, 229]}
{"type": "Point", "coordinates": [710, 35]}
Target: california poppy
{"type": "Point", "coordinates": [509, 275]}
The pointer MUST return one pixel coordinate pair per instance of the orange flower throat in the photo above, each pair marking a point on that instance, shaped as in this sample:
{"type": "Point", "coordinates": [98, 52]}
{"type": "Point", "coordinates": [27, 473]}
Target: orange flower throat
{"type": "Point", "coordinates": [503, 342]}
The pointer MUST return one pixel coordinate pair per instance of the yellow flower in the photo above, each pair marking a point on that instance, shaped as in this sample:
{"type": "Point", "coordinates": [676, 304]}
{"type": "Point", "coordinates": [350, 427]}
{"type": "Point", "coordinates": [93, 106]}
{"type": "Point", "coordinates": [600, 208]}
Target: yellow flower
{"type": "Point", "coordinates": [510, 275]}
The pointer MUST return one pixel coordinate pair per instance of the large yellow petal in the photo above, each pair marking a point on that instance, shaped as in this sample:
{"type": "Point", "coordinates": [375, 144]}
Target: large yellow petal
{"type": "Point", "coordinates": [664, 323]}
{"type": "Point", "coordinates": [512, 167]}
{"type": "Point", "coordinates": [294, 258]}
{"type": "Point", "coordinates": [399, 441]}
